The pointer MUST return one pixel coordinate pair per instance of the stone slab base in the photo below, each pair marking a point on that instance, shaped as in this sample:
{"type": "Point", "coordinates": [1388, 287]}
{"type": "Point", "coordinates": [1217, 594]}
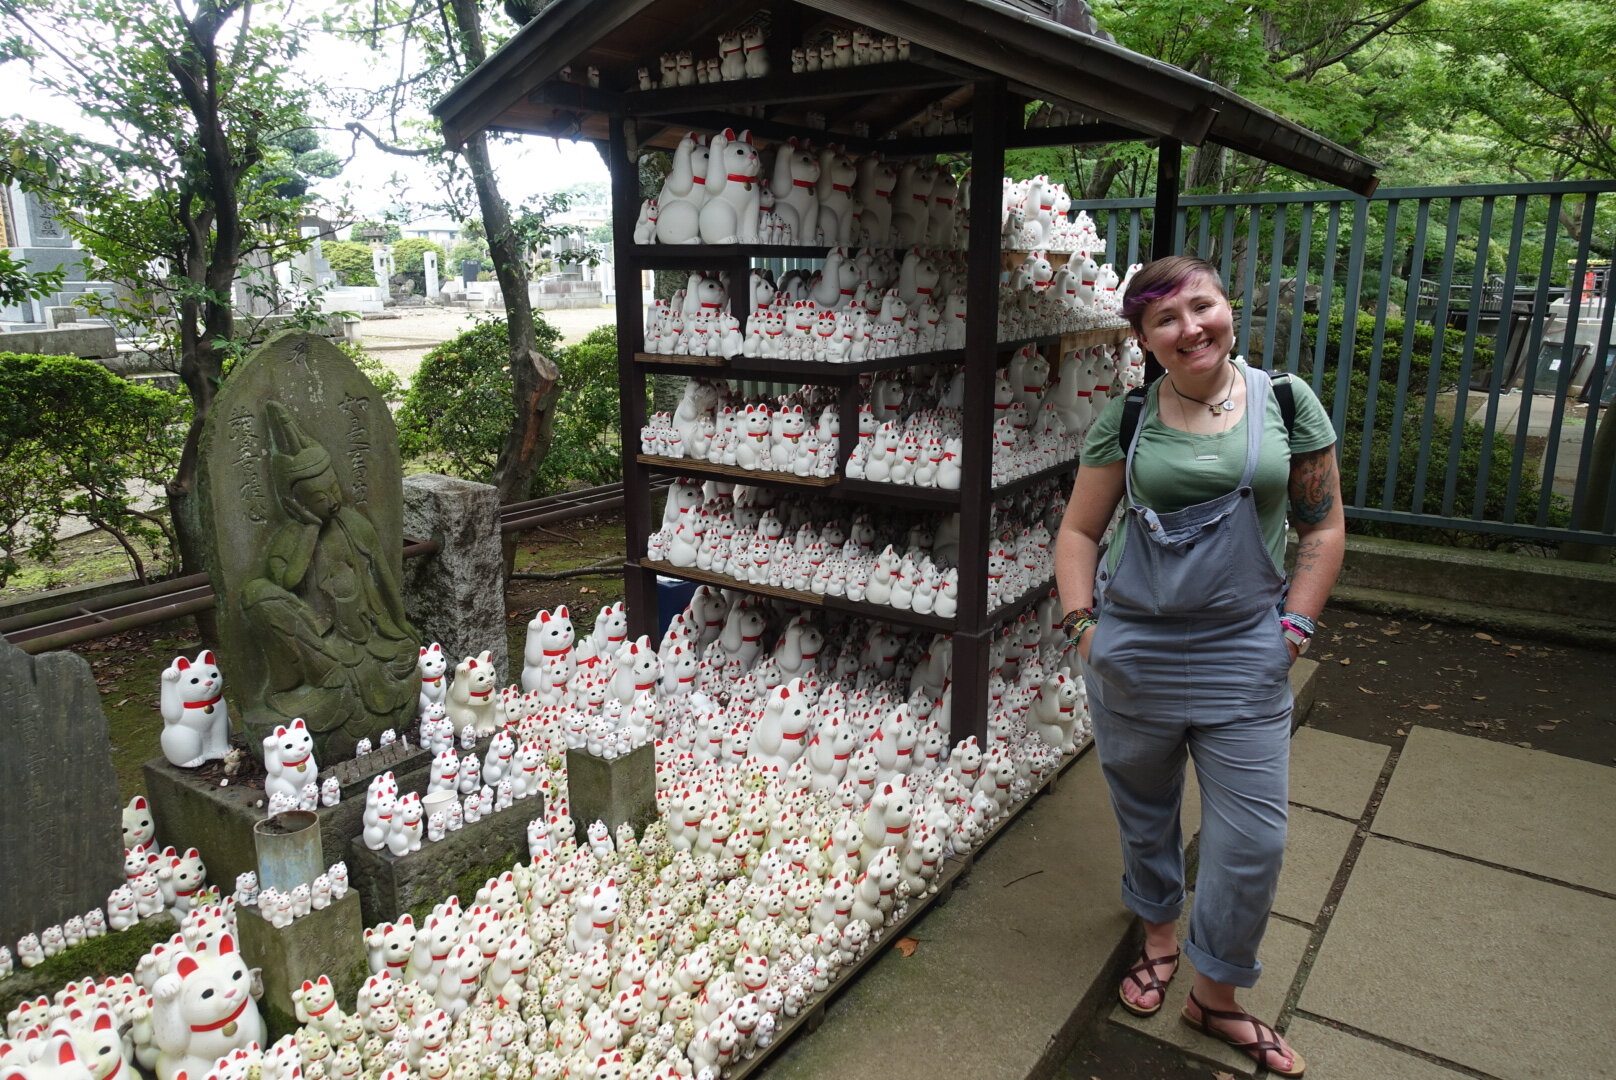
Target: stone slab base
{"type": "Point", "coordinates": [327, 942]}
{"type": "Point", "coordinates": [218, 821]}
{"type": "Point", "coordinates": [623, 789]}
{"type": "Point", "coordinates": [458, 865]}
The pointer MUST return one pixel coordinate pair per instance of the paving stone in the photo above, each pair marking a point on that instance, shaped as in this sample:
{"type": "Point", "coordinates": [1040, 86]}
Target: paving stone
{"type": "Point", "coordinates": [1527, 809]}
{"type": "Point", "coordinates": [1333, 1054]}
{"type": "Point", "coordinates": [1492, 970]}
{"type": "Point", "coordinates": [1334, 773]}
{"type": "Point", "coordinates": [1315, 844]}
{"type": "Point", "coordinates": [1281, 954]}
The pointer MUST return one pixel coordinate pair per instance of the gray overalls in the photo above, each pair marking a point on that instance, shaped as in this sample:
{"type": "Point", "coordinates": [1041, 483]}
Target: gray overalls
{"type": "Point", "coordinates": [1189, 653]}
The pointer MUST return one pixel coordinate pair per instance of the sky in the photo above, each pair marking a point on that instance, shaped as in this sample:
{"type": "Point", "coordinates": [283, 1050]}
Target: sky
{"type": "Point", "coordinates": [527, 168]}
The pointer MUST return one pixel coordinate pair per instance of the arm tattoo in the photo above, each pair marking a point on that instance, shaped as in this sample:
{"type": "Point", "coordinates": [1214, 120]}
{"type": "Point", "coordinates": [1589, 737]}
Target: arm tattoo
{"type": "Point", "coordinates": [1307, 555]}
{"type": "Point", "coordinates": [1313, 485]}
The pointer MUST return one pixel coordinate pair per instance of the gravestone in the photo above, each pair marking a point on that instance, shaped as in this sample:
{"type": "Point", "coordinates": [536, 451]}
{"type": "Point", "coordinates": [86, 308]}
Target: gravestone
{"type": "Point", "coordinates": [301, 489]}
{"type": "Point", "coordinates": [61, 848]}
{"type": "Point", "coordinates": [429, 265]}
{"type": "Point", "coordinates": [456, 596]}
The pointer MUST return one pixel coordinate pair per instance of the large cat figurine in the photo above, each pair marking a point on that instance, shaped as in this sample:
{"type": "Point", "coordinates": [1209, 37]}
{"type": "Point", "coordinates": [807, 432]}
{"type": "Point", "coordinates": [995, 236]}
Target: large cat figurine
{"type": "Point", "coordinates": [196, 723]}
{"type": "Point", "coordinates": [203, 1010]}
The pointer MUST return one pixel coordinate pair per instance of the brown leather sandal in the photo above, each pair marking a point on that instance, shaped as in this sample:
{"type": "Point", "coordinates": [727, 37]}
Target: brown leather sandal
{"type": "Point", "coordinates": [1267, 1041]}
{"type": "Point", "coordinates": [1143, 975]}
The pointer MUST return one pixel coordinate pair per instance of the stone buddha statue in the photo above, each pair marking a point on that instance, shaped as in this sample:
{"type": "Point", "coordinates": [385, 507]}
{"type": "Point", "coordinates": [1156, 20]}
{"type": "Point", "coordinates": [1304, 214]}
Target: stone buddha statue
{"type": "Point", "coordinates": [339, 650]}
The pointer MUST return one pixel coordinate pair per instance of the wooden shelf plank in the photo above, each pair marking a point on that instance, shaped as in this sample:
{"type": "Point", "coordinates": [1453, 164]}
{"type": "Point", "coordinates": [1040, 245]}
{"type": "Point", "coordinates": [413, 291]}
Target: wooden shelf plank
{"type": "Point", "coordinates": [707, 470]}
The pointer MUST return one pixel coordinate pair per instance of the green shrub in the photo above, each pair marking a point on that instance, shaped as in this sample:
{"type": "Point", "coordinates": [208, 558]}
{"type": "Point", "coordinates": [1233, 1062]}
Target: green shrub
{"type": "Point", "coordinates": [78, 444]}
{"type": "Point", "coordinates": [458, 409]}
{"type": "Point", "coordinates": [350, 260]}
{"type": "Point", "coordinates": [386, 381]}
{"type": "Point", "coordinates": [587, 447]}
{"type": "Point", "coordinates": [1473, 439]}
{"type": "Point", "coordinates": [409, 255]}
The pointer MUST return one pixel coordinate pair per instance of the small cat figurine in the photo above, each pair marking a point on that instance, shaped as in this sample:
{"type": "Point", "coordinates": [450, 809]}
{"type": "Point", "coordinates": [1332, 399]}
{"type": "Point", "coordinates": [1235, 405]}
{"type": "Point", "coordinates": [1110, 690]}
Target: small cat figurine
{"type": "Point", "coordinates": [138, 828]}
{"type": "Point", "coordinates": [434, 666]}
{"type": "Point", "coordinates": [196, 722]}
{"type": "Point", "coordinates": [289, 760]}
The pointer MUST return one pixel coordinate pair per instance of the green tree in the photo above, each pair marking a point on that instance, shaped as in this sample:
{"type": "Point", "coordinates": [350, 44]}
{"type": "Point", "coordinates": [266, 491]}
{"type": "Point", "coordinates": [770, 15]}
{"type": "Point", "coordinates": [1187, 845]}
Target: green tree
{"type": "Point", "coordinates": [450, 38]}
{"type": "Point", "coordinates": [77, 443]}
{"type": "Point", "coordinates": [351, 261]}
{"type": "Point", "coordinates": [18, 283]}
{"type": "Point", "coordinates": [409, 254]}
{"type": "Point", "coordinates": [181, 185]}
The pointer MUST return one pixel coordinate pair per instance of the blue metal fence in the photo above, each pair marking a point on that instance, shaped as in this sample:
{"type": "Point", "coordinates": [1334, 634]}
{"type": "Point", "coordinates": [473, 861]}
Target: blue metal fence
{"type": "Point", "coordinates": [1460, 337]}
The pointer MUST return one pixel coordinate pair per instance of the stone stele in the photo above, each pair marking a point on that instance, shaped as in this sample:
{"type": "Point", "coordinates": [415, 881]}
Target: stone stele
{"type": "Point", "coordinates": [61, 847]}
{"type": "Point", "coordinates": [301, 487]}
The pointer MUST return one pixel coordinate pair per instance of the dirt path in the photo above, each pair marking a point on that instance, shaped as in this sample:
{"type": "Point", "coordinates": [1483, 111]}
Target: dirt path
{"type": "Point", "coordinates": [401, 342]}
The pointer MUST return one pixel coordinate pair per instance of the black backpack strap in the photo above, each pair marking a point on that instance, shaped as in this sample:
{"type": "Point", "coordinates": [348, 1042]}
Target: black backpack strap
{"type": "Point", "coordinates": [1132, 406]}
{"type": "Point", "coordinates": [1286, 396]}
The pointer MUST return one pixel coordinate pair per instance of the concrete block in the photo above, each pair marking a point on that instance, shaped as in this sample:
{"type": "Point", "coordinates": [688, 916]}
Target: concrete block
{"type": "Point", "coordinates": [616, 791]}
{"type": "Point", "coordinates": [218, 821]}
{"type": "Point", "coordinates": [1281, 953]}
{"type": "Point", "coordinates": [1506, 805]}
{"type": "Point", "coordinates": [1470, 963]}
{"type": "Point", "coordinates": [1333, 773]}
{"type": "Point", "coordinates": [89, 342]}
{"type": "Point", "coordinates": [328, 942]}
{"type": "Point", "coordinates": [61, 849]}
{"type": "Point", "coordinates": [458, 865]}
{"type": "Point", "coordinates": [55, 317]}
{"type": "Point", "coordinates": [456, 596]}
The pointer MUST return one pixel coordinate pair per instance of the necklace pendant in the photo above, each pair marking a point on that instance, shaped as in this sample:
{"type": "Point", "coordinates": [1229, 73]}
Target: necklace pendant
{"type": "Point", "coordinates": [1227, 406]}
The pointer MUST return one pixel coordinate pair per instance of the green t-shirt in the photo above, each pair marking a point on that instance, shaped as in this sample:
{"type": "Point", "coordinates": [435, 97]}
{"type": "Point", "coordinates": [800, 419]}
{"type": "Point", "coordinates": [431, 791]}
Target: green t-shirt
{"type": "Point", "coordinates": [1168, 475]}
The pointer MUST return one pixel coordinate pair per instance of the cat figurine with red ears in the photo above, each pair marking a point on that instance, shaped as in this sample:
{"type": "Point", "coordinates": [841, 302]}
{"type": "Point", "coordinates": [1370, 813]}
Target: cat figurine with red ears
{"type": "Point", "coordinates": [203, 1010]}
{"type": "Point", "coordinates": [471, 695]}
{"type": "Point", "coordinates": [289, 760]}
{"type": "Point", "coordinates": [196, 723]}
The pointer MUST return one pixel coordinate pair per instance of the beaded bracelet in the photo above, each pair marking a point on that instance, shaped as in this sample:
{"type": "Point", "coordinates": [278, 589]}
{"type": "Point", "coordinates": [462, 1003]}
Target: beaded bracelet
{"type": "Point", "coordinates": [1079, 626]}
{"type": "Point", "coordinates": [1300, 621]}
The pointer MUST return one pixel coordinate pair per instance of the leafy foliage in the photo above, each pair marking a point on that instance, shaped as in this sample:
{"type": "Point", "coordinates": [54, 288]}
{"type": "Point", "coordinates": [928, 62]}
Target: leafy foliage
{"type": "Point", "coordinates": [409, 254]}
{"type": "Point", "coordinates": [1400, 458]}
{"type": "Point", "coordinates": [587, 447]}
{"type": "Point", "coordinates": [18, 283]}
{"type": "Point", "coordinates": [79, 444]}
{"type": "Point", "coordinates": [387, 382]}
{"type": "Point", "coordinates": [457, 410]}
{"type": "Point", "coordinates": [351, 261]}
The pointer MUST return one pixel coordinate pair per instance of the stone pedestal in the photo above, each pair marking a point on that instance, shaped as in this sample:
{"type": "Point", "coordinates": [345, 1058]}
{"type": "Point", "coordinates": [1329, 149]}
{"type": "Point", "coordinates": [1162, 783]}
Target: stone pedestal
{"type": "Point", "coordinates": [456, 595]}
{"type": "Point", "coordinates": [218, 821]}
{"type": "Point", "coordinates": [457, 865]}
{"type": "Point", "coordinates": [328, 942]}
{"type": "Point", "coordinates": [616, 791]}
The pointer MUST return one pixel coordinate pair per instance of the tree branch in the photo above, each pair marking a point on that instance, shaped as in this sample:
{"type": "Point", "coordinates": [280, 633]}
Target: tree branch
{"type": "Point", "coordinates": [1312, 68]}
{"type": "Point", "coordinates": [392, 148]}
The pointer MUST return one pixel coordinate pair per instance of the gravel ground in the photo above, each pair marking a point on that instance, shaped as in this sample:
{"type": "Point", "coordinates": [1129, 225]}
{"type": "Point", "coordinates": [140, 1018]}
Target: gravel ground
{"type": "Point", "coordinates": [401, 342]}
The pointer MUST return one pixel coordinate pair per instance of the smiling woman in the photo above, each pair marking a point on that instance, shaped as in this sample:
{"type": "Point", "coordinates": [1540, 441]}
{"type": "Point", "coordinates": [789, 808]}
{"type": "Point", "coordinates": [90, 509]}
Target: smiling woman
{"type": "Point", "coordinates": [1188, 628]}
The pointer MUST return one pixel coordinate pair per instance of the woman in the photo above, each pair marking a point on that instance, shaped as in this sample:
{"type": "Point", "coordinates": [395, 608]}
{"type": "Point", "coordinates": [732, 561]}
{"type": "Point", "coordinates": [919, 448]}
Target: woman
{"type": "Point", "coordinates": [1187, 629]}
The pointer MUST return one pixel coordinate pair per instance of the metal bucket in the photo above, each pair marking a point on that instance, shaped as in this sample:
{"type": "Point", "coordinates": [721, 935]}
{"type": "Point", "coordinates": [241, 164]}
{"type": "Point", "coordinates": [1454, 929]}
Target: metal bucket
{"type": "Point", "coordinates": [289, 852]}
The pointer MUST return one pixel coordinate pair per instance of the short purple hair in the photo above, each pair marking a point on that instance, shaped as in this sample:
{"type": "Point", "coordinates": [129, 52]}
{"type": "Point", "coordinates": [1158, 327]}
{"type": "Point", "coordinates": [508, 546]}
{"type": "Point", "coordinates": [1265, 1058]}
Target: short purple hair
{"type": "Point", "coordinates": [1159, 279]}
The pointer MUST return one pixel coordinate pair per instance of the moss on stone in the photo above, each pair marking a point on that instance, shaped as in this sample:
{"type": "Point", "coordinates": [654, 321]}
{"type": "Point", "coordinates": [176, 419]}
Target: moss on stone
{"type": "Point", "coordinates": [111, 954]}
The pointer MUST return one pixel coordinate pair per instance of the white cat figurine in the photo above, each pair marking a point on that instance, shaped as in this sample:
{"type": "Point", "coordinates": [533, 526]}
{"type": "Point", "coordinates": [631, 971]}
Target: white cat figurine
{"type": "Point", "coordinates": [203, 1010]}
{"type": "Point", "coordinates": [196, 723]}
{"type": "Point", "coordinates": [289, 760]}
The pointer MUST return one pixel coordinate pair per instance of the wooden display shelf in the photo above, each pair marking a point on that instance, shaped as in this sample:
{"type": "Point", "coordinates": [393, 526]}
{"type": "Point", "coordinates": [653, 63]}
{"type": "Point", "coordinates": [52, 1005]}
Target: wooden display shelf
{"type": "Point", "coordinates": [707, 470]}
{"type": "Point", "coordinates": [772, 369]}
{"type": "Point", "coordinates": [697, 256]}
{"type": "Point", "coordinates": [877, 612]}
{"type": "Point", "coordinates": [1016, 486]}
{"type": "Point", "coordinates": [1102, 335]}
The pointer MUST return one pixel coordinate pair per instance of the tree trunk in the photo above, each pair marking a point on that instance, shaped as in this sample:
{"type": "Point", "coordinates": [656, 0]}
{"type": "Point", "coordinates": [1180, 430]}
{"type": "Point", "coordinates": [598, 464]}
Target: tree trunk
{"type": "Point", "coordinates": [1597, 485]}
{"type": "Point", "coordinates": [533, 375]}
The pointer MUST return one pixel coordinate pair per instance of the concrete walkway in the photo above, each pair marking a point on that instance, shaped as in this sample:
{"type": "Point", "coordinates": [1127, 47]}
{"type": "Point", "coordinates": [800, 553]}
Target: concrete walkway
{"type": "Point", "coordinates": [1445, 911]}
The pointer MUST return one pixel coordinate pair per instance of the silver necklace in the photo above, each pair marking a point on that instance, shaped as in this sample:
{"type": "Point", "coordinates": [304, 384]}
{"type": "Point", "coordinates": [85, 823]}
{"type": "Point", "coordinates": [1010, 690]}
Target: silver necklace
{"type": "Point", "coordinates": [1226, 405]}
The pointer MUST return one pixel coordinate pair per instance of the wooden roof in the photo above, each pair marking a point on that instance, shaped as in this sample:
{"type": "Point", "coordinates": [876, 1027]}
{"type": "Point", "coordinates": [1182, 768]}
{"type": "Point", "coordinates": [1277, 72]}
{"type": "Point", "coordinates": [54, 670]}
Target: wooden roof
{"type": "Point", "coordinates": [955, 43]}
